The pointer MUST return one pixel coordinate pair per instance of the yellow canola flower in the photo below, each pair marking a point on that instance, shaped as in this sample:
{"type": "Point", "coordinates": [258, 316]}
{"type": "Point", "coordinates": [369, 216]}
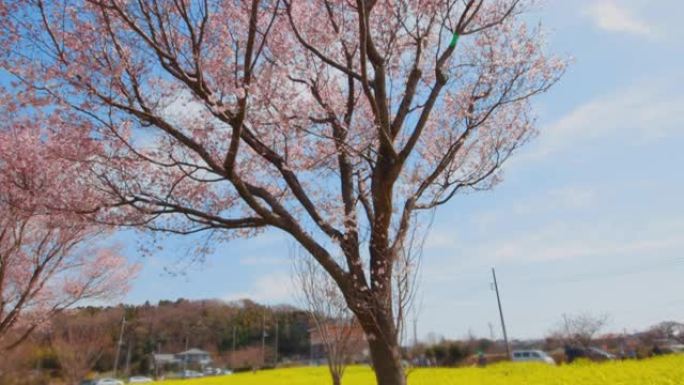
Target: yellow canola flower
{"type": "Point", "coordinates": [668, 370]}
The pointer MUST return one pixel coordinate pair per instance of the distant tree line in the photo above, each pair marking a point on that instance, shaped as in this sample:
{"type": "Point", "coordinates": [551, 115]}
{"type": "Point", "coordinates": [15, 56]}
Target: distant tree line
{"type": "Point", "coordinates": [85, 339]}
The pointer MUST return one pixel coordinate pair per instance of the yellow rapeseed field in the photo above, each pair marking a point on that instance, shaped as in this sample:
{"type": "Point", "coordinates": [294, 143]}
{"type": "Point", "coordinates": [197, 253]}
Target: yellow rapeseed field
{"type": "Point", "coordinates": [667, 370]}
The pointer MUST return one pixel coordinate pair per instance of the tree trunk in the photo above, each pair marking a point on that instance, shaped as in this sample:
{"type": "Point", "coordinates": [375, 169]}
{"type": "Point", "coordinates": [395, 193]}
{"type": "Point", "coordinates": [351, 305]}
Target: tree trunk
{"type": "Point", "coordinates": [386, 358]}
{"type": "Point", "coordinates": [336, 371]}
{"type": "Point", "coordinates": [336, 380]}
{"type": "Point", "coordinates": [385, 352]}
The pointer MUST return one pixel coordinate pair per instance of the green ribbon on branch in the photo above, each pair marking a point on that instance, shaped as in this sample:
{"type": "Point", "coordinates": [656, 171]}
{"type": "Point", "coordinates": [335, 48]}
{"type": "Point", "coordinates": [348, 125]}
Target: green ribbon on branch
{"type": "Point", "coordinates": [454, 40]}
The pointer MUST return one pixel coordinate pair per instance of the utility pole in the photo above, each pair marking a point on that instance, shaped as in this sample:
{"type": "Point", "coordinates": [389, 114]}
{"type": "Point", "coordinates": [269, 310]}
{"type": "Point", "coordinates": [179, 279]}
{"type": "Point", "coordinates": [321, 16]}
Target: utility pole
{"type": "Point", "coordinates": [263, 338]}
{"type": "Point", "coordinates": [311, 349]}
{"type": "Point", "coordinates": [232, 356]}
{"type": "Point", "coordinates": [119, 344]}
{"type": "Point", "coordinates": [276, 344]}
{"type": "Point", "coordinates": [129, 351]}
{"type": "Point", "coordinates": [154, 361]}
{"type": "Point", "coordinates": [503, 323]}
{"type": "Point", "coordinates": [185, 356]}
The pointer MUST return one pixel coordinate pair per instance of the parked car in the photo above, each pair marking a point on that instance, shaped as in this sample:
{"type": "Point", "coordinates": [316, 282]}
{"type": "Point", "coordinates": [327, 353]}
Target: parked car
{"type": "Point", "coordinates": [139, 380]}
{"type": "Point", "coordinates": [211, 371]}
{"type": "Point", "coordinates": [108, 381]}
{"type": "Point", "coordinates": [668, 346]}
{"type": "Point", "coordinates": [88, 382]}
{"type": "Point", "coordinates": [591, 353]}
{"type": "Point", "coordinates": [216, 372]}
{"type": "Point", "coordinates": [532, 356]}
{"type": "Point", "coordinates": [596, 354]}
{"type": "Point", "coordinates": [674, 348]}
{"type": "Point", "coordinates": [191, 374]}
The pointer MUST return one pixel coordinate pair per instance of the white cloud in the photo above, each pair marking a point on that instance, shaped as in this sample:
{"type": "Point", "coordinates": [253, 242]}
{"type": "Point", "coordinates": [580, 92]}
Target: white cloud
{"type": "Point", "coordinates": [573, 197]}
{"type": "Point", "coordinates": [561, 198]}
{"type": "Point", "coordinates": [439, 238]}
{"type": "Point", "coordinates": [609, 16]}
{"type": "Point", "coordinates": [274, 288]}
{"type": "Point", "coordinates": [447, 246]}
{"type": "Point", "coordinates": [641, 113]}
{"type": "Point", "coordinates": [254, 260]}
{"type": "Point", "coordinates": [584, 240]}
{"type": "Point", "coordinates": [565, 199]}
{"type": "Point", "coordinates": [560, 240]}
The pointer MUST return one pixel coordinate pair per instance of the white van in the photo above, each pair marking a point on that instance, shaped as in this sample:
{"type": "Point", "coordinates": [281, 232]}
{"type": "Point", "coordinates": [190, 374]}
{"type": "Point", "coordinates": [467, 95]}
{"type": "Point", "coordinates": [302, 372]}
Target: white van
{"type": "Point", "coordinates": [532, 356]}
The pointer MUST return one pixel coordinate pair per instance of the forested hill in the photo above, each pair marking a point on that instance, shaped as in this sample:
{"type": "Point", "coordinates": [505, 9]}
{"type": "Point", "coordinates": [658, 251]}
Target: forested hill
{"type": "Point", "coordinates": [173, 326]}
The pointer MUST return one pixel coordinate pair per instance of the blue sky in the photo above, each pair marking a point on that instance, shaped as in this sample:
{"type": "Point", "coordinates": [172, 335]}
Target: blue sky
{"type": "Point", "coordinates": [589, 217]}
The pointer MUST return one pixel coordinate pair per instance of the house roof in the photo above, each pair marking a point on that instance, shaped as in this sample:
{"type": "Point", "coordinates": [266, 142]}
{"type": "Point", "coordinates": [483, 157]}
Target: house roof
{"type": "Point", "coordinates": [191, 352]}
{"type": "Point", "coordinates": [164, 358]}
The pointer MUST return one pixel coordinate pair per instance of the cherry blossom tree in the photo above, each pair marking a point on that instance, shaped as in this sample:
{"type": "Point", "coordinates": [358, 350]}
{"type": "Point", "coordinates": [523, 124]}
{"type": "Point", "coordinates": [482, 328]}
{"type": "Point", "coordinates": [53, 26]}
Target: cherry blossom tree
{"type": "Point", "coordinates": [45, 263]}
{"type": "Point", "coordinates": [335, 122]}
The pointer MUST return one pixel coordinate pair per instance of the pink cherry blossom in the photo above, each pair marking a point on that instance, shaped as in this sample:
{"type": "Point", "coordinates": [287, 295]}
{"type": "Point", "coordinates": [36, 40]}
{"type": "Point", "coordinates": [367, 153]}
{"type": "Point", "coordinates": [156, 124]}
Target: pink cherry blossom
{"type": "Point", "coordinates": [47, 262]}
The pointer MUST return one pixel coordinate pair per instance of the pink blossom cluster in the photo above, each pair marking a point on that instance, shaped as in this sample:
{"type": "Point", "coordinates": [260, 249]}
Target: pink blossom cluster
{"type": "Point", "coordinates": [49, 260]}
